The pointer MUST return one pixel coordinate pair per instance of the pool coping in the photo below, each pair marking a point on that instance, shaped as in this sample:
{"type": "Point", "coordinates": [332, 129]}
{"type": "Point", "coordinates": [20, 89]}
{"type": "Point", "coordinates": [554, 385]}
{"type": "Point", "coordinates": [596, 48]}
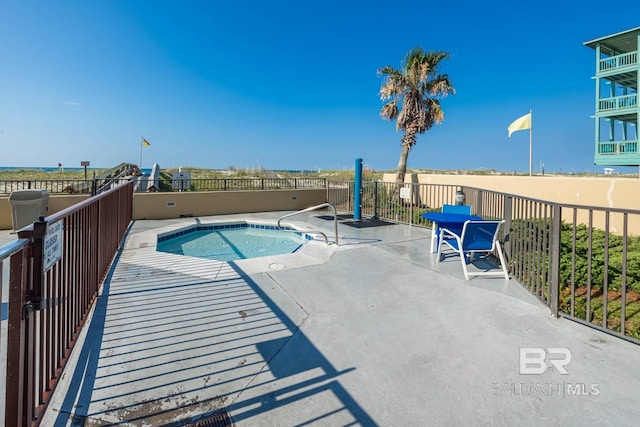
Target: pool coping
{"type": "Point", "coordinates": [313, 252]}
{"type": "Point", "coordinates": [166, 237]}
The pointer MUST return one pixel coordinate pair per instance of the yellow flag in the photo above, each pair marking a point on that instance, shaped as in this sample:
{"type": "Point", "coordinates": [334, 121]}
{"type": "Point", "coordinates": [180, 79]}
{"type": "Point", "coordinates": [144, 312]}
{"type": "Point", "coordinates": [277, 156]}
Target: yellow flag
{"type": "Point", "coordinates": [521, 123]}
{"type": "Point", "coordinates": [145, 142]}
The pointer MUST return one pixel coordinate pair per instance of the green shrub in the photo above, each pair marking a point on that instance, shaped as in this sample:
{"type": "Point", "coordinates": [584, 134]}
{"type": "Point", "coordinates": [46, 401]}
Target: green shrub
{"type": "Point", "coordinates": [615, 258]}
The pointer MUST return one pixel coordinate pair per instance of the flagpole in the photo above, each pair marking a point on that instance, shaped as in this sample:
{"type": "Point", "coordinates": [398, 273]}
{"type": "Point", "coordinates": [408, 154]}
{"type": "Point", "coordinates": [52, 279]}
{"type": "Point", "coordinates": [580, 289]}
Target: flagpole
{"type": "Point", "coordinates": [530, 141]}
{"type": "Point", "coordinates": [140, 164]}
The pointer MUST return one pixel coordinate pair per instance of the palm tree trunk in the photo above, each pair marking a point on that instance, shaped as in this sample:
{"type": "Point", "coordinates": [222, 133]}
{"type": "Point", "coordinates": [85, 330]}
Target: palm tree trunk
{"type": "Point", "coordinates": [408, 140]}
{"type": "Point", "coordinates": [401, 170]}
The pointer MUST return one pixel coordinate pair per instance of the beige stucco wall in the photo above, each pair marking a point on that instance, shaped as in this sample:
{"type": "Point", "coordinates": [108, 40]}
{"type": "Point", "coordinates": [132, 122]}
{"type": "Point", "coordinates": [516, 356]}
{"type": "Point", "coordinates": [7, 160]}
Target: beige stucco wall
{"type": "Point", "coordinates": [5, 214]}
{"type": "Point", "coordinates": [174, 205]}
{"type": "Point", "coordinates": [596, 191]}
{"type": "Point", "coordinates": [56, 204]}
{"type": "Point", "coordinates": [606, 192]}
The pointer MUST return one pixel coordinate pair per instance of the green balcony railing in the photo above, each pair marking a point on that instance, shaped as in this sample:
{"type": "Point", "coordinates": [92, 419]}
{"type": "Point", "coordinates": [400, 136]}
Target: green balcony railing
{"type": "Point", "coordinates": [618, 61]}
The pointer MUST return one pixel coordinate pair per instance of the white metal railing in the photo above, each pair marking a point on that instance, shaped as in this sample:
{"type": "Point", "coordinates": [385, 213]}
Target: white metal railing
{"type": "Point", "coordinates": [618, 61]}
{"type": "Point", "coordinates": [313, 208]}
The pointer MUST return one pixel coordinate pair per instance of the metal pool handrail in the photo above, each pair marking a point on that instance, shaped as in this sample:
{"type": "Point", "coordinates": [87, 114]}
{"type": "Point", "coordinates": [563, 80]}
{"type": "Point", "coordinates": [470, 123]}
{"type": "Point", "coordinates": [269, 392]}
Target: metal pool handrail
{"type": "Point", "coordinates": [313, 208]}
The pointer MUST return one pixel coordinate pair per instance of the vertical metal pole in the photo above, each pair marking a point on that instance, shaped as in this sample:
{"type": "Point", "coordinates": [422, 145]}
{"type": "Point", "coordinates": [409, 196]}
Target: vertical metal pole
{"type": "Point", "coordinates": [411, 205]}
{"type": "Point", "coordinates": [357, 191]}
{"type": "Point", "coordinates": [375, 200]}
{"type": "Point", "coordinates": [530, 142]}
{"type": "Point", "coordinates": [507, 216]}
{"type": "Point", "coordinates": [326, 184]}
{"type": "Point", "coordinates": [554, 285]}
{"type": "Point", "coordinates": [16, 380]}
{"type": "Point", "coordinates": [39, 231]}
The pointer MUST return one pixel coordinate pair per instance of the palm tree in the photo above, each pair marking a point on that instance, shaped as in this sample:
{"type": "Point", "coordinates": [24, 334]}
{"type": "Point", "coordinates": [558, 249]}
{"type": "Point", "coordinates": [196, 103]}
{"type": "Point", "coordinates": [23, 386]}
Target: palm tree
{"type": "Point", "coordinates": [414, 94]}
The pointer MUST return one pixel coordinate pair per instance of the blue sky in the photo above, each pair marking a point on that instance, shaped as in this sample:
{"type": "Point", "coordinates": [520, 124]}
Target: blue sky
{"type": "Point", "coordinates": [293, 84]}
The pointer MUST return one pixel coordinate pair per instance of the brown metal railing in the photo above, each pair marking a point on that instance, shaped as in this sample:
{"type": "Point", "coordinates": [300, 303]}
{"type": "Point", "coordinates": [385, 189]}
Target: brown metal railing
{"type": "Point", "coordinates": [96, 186]}
{"type": "Point", "coordinates": [48, 308]}
{"type": "Point", "coordinates": [583, 262]}
{"type": "Point", "coordinates": [58, 186]}
{"type": "Point", "coordinates": [225, 184]}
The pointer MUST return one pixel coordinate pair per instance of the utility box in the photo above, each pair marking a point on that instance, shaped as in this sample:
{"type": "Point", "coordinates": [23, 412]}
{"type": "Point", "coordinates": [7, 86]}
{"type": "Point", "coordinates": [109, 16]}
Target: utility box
{"type": "Point", "coordinates": [27, 206]}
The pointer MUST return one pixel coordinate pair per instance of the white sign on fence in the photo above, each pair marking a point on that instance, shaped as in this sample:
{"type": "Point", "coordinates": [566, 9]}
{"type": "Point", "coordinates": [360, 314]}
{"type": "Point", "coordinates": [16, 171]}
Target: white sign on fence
{"type": "Point", "coordinates": [405, 193]}
{"type": "Point", "coordinates": [52, 244]}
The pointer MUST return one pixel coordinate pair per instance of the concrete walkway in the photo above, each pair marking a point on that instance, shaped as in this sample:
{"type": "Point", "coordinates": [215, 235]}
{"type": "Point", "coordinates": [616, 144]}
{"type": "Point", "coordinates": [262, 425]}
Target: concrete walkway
{"type": "Point", "coordinates": [369, 333]}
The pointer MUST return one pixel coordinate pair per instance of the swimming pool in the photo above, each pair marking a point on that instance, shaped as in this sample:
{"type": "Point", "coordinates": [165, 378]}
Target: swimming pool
{"type": "Point", "coordinates": [229, 242]}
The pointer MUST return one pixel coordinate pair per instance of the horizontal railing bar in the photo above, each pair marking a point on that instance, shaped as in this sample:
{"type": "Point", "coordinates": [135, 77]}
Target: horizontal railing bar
{"type": "Point", "coordinates": [12, 248]}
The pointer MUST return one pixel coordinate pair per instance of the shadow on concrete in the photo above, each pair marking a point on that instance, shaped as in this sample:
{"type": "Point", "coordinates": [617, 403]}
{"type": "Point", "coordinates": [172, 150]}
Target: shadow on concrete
{"type": "Point", "coordinates": [185, 339]}
{"type": "Point", "coordinates": [367, 222]}
{"type": "Point", "coordinates": [340, 217]}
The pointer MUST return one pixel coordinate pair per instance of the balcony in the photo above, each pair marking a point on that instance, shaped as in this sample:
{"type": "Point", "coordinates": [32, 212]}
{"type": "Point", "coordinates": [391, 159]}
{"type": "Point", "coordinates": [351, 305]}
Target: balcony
{"type": "Point", "coordinates": [618, 104]}
{"type": "Point", "coordinates": [618, 63]}
{"type": "Point", "coordinates": [619, 153]}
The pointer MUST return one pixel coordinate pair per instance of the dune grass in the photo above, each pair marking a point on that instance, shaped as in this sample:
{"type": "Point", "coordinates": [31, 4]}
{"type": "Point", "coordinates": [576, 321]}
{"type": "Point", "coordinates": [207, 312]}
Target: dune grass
{"type": "Point", "coordinates": [196, 173]}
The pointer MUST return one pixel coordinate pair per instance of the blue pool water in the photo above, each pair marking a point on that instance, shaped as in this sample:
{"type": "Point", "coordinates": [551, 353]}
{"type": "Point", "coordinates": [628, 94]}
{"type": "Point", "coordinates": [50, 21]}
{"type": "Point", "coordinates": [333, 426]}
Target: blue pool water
{"type": "Point", "coordinates": [228, 242]}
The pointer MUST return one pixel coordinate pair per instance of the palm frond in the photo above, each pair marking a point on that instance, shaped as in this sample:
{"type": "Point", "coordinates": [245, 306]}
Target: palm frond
{"type": "Point", "coordinates": [388, 70]}
{"type": "Point", "coordinates": [440, 86]}
{"type": "Point", "coordinates": [393, 87]}
{"type": "Point", "coordinates": [389, 111]}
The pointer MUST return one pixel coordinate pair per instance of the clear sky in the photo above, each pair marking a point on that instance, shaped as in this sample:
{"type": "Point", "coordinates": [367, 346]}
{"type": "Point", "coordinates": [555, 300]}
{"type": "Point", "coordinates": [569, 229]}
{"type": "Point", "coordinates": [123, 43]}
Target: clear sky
{"type": "Point", "coordinates": [294, 84]}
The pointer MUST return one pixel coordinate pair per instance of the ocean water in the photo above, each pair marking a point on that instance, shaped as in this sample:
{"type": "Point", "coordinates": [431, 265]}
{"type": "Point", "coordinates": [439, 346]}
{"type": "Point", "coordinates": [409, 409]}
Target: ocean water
{"type": "Point", "coordinates": [55, 169]}
{"type": "Point", "coordinates": [39, 168]}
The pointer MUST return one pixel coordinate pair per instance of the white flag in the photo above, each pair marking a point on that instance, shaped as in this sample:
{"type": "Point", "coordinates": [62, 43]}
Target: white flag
{"type": "Point", "coordinates": [521, 123]}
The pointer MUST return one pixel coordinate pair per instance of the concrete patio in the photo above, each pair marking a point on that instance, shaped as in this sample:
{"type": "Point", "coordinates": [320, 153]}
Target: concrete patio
{"type": "Point", "coordinates": [372, 332]}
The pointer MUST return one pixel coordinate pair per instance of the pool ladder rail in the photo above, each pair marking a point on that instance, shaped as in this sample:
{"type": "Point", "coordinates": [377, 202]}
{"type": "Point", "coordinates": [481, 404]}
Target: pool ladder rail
{"type": "Point", "coordinates": [313, 208]}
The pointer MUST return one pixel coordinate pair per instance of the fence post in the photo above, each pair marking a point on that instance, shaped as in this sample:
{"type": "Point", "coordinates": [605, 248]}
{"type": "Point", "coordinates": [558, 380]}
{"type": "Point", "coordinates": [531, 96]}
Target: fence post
{"type": "Point", "coordinates": [412, 198]}
{"type": "Point", "coordinates": [16, 393]}
{"type": "Point", "coordinates": [479, 203]}
{"type": "Point", "coordinates": [375, 200]}
{"type": "Point", "coordinates": [39, 231]}
{"type": "Point", "coordinates": [554, 261]}
{"type": "Point", "coordinates": [507, 215]}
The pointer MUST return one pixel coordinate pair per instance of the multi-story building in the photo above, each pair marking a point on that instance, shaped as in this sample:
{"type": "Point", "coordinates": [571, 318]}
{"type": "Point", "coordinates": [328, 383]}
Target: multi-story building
{"type": "Point", "coordinates": [617, 109]}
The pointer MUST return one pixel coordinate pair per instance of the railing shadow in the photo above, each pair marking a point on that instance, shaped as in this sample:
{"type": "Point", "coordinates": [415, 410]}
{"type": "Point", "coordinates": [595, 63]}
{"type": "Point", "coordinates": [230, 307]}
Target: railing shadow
{"type": "Point", "coordinates": [174, 340]}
